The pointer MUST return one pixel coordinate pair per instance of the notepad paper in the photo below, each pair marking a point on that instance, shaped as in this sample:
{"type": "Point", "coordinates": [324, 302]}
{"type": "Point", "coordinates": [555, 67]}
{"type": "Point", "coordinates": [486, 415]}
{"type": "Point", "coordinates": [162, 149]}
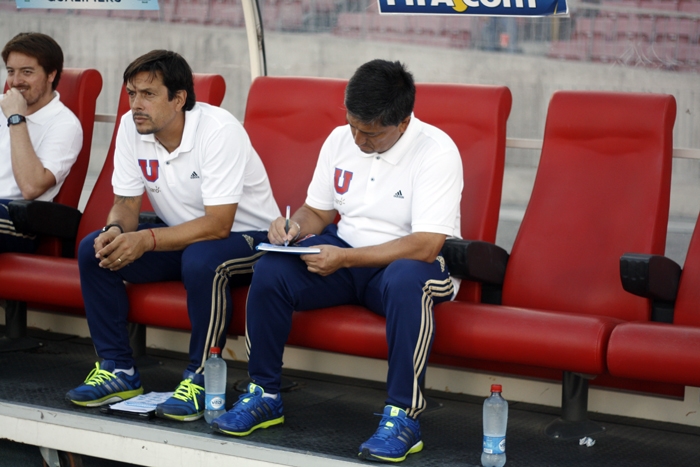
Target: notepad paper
{"type": "Point", "coordinates": [143, 403]}
{"type": "Point", "coordinates": [295, 250]}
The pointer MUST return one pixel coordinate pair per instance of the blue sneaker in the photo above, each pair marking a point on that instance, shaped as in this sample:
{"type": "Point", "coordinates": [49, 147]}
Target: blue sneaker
{"type": "Point", "coordinates": [104, 386]}
{"type": "Point", "coordinates": [252, 411]}
{"type": "Point", "coordinates": [187, 402]}
{"type": "Point", "coordinates": [398, 436]}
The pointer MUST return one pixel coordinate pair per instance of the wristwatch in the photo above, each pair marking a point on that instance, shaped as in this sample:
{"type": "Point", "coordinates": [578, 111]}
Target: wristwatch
{"type": "Point", "coordinates": [109, 226]}
{"type": "Point", "coordinates": [15, 119]}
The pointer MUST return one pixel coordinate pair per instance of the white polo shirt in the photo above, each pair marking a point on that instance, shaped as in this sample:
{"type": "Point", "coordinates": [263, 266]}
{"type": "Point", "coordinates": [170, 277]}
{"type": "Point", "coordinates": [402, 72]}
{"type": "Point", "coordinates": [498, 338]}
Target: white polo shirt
{"type": "Point", "coordinates": [215, 164]}
{"type": "Point", "coordinates": [56, 137]}
{"type": "Point", "coordinates": [415, 186]}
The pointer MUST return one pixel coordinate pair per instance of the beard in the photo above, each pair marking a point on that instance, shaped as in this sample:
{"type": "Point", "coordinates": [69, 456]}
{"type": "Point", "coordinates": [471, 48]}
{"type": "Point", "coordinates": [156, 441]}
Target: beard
{"type": "Point", "coordinates": [36, 92]}
{"type": "Point", "coordinates": [145, 127]}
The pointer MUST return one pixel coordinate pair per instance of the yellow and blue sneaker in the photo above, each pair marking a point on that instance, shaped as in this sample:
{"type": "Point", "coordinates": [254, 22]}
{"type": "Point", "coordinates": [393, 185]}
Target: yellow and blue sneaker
{"type": "Point", "coordinates": [187, 402]}
{"type": "Point", "coordinates": [104, 386]}
{"type": "Point", "coordinates": [250, 412]}
{"type": "Point", "coordinates": [398, 436]}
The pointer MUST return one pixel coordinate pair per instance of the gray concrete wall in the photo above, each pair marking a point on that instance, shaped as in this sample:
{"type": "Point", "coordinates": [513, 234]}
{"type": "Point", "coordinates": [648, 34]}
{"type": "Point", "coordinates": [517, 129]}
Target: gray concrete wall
{"type": "Point", "coordinates": [109, 45]}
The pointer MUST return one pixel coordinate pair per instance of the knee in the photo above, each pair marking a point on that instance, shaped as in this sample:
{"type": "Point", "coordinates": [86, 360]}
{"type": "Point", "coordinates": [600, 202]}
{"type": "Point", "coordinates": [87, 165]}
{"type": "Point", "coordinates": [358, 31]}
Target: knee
{"type": "Point", "coordinates": [403, 273]}
{"type": "Point", "coordinates": [269, 271]}
{"type": "Point", "coordinates": [196, 261]}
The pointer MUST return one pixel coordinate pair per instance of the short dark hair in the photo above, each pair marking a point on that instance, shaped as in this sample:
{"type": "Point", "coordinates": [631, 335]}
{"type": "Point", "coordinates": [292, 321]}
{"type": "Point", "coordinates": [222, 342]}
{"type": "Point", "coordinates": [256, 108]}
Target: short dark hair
{"type": "Point", "coordinates": [40, 46]}
{"type": "Point", "coordinates": [172, 69]}
{"type": "Point", "coordinates": [381, 91]}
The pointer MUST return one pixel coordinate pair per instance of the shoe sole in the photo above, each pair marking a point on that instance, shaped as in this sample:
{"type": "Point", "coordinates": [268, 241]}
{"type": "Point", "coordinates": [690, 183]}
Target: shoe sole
{"type": "Point", "coordinates": [267, 424]}
{"type": "Point", "coordinates": [368, 456]}
{"type": "Point", "coordinates": [109, 399]}
{"type": "Point", "coordinates": [180, 418]}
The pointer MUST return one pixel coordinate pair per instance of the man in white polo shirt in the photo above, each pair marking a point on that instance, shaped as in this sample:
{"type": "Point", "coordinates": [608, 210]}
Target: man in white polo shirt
{"type": "Point", "coordinates": [396, 183]}
{"type": "Point", "coordinates": [206, 182]}
{"type": "Point", "coordinates": [41, 138]}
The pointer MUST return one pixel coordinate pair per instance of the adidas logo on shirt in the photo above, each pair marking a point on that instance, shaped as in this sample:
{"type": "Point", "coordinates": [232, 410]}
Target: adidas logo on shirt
{"type": "Point", "coordinates": [194, 175]}
{"type": "Point", "coordinates": [398, 194]}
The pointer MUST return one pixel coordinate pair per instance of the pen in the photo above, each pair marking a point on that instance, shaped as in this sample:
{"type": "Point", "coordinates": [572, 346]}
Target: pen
{"type": "Point", "coordinates": [286, 226]}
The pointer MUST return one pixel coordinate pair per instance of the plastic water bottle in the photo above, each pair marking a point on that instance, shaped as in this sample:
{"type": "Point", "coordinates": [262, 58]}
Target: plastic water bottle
{"type": "Point", "coordinates": [214, 385]}
{"type": "Point", "coordinates": [495, 422]}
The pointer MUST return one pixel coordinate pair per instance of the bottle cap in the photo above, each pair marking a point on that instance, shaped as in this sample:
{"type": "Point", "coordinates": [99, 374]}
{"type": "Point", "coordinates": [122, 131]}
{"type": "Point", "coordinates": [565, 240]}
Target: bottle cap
{"type": "Point", "coordinates": [496, 388]}
{"type": "Point", "coordinates": [215, 350]}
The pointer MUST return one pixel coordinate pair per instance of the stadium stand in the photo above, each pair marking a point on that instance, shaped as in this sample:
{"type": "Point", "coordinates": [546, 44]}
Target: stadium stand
{"type": "Point", "coordinates": [652, 33]}
{"type": "Point", "coordinates": [622, 32]}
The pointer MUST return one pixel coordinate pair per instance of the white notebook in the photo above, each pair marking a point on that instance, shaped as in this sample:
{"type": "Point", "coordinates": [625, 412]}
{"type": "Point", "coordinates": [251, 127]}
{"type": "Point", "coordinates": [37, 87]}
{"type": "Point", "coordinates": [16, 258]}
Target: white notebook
{"type": "Point", "coordinates": [295, 250]}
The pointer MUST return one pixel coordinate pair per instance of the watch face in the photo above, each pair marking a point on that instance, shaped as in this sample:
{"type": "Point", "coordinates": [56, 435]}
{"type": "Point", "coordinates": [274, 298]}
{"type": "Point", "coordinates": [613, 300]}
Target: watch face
{"type": "Point", "coordinates": [15, 119]}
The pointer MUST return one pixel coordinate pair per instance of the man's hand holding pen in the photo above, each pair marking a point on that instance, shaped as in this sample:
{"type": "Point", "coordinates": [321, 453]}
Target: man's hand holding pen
{"type": "Point", "coordinates": [283, 231]}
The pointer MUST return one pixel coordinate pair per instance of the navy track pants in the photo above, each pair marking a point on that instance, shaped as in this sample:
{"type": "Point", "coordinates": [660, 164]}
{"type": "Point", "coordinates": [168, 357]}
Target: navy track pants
{"type": "Point", "coordinates": [10, 239]}
{"type": "Point", "coordinates": [404, 292]}
{"type": "Point", "coordinates": [207, 270]}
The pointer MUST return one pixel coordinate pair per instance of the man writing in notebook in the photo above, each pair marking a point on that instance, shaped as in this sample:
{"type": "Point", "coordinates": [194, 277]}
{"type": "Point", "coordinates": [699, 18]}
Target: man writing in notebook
{"type": "Point", "coordinates": [396, 183]}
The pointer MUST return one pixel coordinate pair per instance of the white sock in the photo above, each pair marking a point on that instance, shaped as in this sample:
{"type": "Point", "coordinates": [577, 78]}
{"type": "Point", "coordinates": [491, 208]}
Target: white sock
{"type": "Point", "coordinates": [129, 372]}
{"type": "Point", "coordinates": [271, 396]}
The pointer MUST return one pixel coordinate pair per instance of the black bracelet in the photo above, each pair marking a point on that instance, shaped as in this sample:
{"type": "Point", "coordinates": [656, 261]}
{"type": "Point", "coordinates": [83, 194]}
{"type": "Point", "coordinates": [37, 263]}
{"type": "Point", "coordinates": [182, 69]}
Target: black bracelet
{"type": "Point", "coordinates": [109, 226]}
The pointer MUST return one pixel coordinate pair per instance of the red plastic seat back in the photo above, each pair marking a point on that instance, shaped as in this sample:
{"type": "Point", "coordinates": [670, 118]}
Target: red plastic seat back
{"type": "Point", "coordinates": [287, 120]}
{"type": "Point", "coordinates": [687, 308]}
{"type": "Point", "coordinates": [602, 189]}
{"type": "Point", "coordinates": [79, 89]}
{"type": "Point", "coordinates": [475, 118]}
{"type": "Point", "coordinates": [209, 88]}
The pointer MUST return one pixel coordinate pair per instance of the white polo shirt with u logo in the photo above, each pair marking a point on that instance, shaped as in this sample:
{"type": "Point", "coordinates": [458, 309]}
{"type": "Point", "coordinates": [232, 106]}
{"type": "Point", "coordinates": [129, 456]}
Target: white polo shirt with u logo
{"type": "Point", "coordinates": [215, 164]}
{"type": "Point", "coordinates": [415, 186]}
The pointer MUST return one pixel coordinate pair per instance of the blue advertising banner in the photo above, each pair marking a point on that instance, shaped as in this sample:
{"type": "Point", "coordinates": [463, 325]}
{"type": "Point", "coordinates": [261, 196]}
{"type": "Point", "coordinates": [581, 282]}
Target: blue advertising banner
{"type": "Point", "coordinates": [475, 7]}
{"type": "Point", "coordinates": [90, 4]}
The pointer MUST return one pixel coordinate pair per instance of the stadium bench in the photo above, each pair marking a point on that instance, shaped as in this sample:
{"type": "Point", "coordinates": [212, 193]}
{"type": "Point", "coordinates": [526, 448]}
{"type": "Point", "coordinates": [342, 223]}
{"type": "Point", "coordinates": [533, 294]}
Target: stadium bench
{"type": "Point", "coordinates": [288, 120]}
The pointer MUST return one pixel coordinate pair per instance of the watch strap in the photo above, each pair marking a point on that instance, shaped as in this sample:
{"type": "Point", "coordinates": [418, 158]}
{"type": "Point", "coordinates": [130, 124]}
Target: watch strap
{"type": "Point", "coordinates": [109, 226]}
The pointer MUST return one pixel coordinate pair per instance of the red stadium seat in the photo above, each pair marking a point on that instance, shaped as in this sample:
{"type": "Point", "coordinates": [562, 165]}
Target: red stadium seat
{"type": "Point", "coordinates": [664, 352]}
{"type": "Point", "coordinates": [602, 188]}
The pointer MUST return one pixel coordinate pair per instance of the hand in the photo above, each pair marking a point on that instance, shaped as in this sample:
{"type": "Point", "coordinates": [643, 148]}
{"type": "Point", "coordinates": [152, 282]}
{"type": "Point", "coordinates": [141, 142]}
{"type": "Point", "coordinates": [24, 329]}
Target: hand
{"type": "Point", "coordinates": [277, 236]}
{"type": "Point", "coordinates": [117, 250]}
{"type": "Point", "coordinates": [329, 260]}
{"type": "Point", "coordinates": [13, 103]}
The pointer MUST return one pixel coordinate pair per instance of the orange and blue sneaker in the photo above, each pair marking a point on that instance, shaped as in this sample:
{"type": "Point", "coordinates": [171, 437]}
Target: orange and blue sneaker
{"type": "Point", "coordinates": [250, 412]}
{"type": "Point", "coordinates": [398, 436]}
{"type": "Point", "coordinates": [187, 402]}
{"type": "Point", "coordinates": [105, 386]}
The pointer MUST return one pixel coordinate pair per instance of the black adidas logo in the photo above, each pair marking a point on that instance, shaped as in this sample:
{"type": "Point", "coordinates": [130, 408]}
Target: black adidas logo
{"type": "Point", "coordinates": [194, 175]}
{"type": "Point", "coordinates": [398, 194]}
